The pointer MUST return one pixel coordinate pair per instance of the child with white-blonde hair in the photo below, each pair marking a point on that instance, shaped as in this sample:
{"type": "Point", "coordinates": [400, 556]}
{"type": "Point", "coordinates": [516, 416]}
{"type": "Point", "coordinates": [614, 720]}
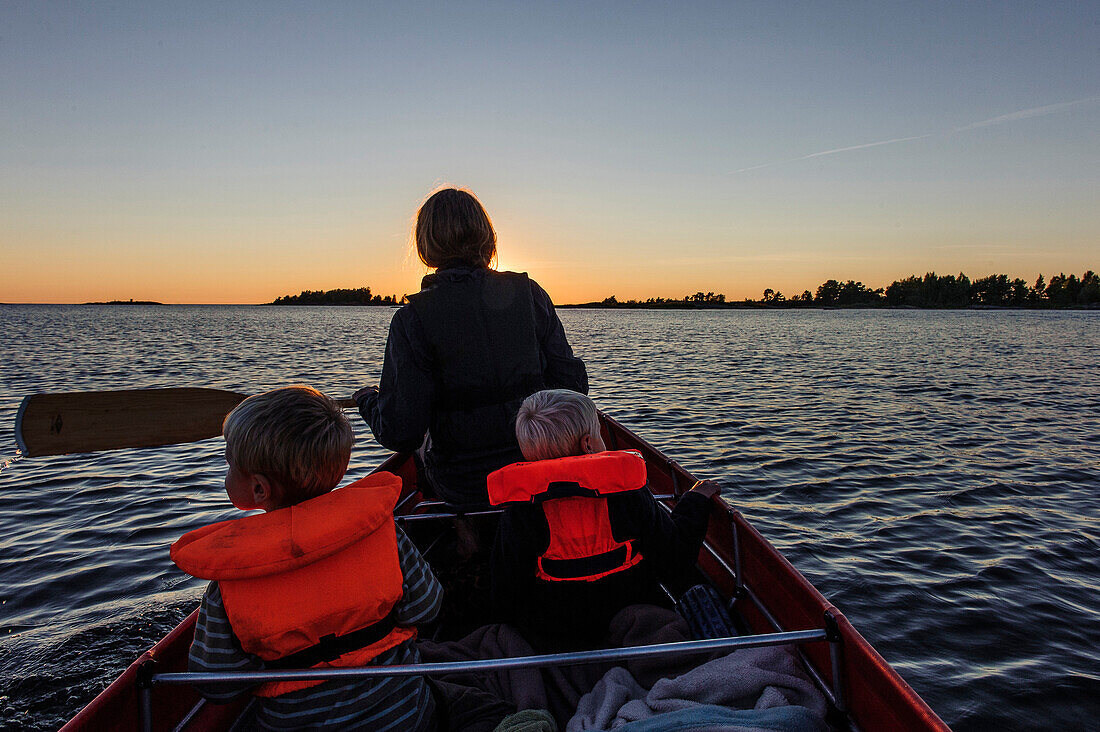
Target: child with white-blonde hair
{"type": "Point", "coordinates": [322, 578]}
{"type": "Point", "coordinates": [557, 423]}
{"type": "Point", "coordinates": [581, 536]}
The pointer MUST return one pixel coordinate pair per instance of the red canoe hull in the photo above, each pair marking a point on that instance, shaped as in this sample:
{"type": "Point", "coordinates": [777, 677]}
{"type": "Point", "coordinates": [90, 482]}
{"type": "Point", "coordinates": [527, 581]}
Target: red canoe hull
{"type": "Point", "coordinates": [776, 597]}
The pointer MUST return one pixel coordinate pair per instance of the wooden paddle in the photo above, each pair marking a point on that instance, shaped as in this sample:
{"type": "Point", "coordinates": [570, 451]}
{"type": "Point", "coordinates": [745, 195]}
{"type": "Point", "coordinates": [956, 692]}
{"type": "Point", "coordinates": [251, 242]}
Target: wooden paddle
{"type": "Point", "coordinates": [59, 424]}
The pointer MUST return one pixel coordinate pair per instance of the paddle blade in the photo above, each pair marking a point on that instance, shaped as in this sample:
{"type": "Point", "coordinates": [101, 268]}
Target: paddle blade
{"type": "Point", "coordinates": [59, 424]}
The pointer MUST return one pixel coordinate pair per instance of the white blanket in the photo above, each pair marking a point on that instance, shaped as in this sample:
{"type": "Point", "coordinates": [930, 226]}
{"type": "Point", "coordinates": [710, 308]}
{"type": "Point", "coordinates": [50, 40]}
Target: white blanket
{"type": "Point", "coordinates": [751, 678]}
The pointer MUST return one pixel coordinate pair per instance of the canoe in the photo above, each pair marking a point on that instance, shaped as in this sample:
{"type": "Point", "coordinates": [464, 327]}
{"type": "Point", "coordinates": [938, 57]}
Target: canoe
{"type": "Point", "coordinates": [765, 594]}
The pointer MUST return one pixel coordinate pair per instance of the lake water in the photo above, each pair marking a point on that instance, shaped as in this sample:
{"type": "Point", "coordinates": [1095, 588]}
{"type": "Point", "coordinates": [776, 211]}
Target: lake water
{"type": "Point", "coordinates": [935, 474]}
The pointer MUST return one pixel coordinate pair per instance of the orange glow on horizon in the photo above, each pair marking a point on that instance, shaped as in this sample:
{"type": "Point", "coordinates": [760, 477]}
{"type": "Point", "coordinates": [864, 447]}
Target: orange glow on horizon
{"type": "Point", "coordinates": [572, 266]}
{"type": "Point", "coordinates": [563, 286]}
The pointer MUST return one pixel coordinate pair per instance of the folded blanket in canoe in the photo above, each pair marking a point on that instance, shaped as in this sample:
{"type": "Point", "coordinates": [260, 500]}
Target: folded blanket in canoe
{"type": "Point", "coordinates": [751, 678]}
{"type": "Point", "coordinates": [599, 708]}
{"type": "Point", "coordinates": [559, 689]}
{"type": "Point", "coordinates": [525, 688]}
{"type": "Point", "coordinates": [709, 718]}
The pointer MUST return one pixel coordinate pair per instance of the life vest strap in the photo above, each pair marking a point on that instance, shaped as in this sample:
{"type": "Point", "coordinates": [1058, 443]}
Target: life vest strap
{"type": "Point", "coordinates": [589, 568]}
{"type": "Point", "coordinates": [332, 646]}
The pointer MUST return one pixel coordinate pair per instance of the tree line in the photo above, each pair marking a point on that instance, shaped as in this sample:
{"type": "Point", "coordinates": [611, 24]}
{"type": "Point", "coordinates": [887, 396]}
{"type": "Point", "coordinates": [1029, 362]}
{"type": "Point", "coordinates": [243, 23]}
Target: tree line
{"type": "Point", "coordinates": [347, 296]}
{"type": "Point", "coordinates": [930, 291]}
{"type": "Point", "coordinates": [699, 299]}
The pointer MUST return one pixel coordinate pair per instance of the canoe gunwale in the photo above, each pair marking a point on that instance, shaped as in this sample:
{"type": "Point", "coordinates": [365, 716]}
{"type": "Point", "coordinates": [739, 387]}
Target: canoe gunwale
{"type": "Point", "coordinates": [655, 650]}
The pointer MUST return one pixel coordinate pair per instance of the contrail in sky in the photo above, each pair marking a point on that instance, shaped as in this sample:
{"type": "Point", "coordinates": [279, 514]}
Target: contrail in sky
{"type": "Point", "coordinates": [1012, 117]}
{"type": "Point", "coordinates": [1029, 113]}
{"type": "Point", "coordinates": [833, 152]}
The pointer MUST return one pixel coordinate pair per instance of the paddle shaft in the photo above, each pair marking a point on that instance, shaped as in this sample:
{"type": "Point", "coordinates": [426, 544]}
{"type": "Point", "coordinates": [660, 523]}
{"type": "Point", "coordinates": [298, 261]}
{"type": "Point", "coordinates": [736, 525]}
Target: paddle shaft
{"type": "Point", "coordinates": [60, 424]}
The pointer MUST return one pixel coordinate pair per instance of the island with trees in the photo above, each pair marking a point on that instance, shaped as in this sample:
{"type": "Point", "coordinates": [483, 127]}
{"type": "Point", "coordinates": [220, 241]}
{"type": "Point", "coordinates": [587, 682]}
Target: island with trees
{"type": "Point", "coordinates": [930, 291]}
{"type": "Point", "coordinates": [352, 296]}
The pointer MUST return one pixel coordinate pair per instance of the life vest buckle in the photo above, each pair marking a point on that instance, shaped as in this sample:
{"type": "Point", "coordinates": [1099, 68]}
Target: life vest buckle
{"type": "Point", "coordinates": [330, 647]}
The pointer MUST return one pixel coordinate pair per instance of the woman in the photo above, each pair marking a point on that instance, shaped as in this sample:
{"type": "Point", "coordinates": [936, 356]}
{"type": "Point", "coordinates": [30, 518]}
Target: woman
{"type": "Point", "coordinates": [464, 354]}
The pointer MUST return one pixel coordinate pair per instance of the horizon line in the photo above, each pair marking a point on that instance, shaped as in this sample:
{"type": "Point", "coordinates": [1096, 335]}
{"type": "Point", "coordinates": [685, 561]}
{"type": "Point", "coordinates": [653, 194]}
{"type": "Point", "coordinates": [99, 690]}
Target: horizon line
{"type": "Point", "coordinates": [156, 303]}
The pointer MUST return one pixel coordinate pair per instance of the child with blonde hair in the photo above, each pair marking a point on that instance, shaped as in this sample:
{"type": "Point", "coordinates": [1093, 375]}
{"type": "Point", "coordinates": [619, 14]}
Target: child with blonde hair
{"type": "Point", "coordinates": [322, 578]}
{"type": "Point", "coordinates": [581, 536]}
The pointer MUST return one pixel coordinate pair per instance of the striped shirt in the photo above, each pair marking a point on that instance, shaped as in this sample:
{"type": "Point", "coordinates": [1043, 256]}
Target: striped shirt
{"type": "Point", "coordinates": [386, 703]}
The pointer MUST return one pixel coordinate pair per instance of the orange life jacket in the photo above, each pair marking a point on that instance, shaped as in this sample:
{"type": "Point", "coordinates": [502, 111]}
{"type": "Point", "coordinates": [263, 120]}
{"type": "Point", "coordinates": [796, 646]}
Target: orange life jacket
{"type": "Point", "coordinates": [308, 579]}
{"type": "Point", "coordinates": [572, 492]}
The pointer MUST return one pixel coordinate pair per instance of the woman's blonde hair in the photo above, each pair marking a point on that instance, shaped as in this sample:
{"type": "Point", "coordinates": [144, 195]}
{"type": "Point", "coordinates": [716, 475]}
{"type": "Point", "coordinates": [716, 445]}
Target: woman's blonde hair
{"type": "Point", "coordinates": [296, 436]}
{"type": "Point", "coordinates": [551, 423]}
{"type": "Point", "coordinates": [453, 228]}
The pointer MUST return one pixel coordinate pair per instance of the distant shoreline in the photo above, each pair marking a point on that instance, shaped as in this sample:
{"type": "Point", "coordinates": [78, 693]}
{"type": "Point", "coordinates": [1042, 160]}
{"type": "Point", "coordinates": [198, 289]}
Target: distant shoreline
{"type": "Point", "coordinates": [579, 306]}
{"type": "Point", "coordinates": [359, 296]}
{"type": "Point", "coordinates": [792, 306]}
{"type": "Point", "coordinates": [329, 304]}
{"type": "Point", "coordinates": [930, 292]}
{"type": "Point", "coordinates": [125, 302]}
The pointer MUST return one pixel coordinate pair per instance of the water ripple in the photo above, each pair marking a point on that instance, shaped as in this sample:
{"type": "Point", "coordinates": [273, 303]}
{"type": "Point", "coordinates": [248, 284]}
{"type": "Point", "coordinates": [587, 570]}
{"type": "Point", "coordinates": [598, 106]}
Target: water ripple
{"type": "Point", "coordinates": [935, 474]}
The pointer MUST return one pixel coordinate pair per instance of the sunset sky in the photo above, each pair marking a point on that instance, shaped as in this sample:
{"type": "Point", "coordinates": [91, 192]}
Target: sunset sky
{"type": "Point", "coordinates": [231, 153]}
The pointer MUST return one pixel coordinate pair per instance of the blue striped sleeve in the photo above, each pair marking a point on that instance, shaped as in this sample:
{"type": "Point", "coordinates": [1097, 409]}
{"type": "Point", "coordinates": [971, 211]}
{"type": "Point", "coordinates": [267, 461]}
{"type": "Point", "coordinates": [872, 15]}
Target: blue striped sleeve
{"type": "Point", "coordinates": [216, 648]}
{"type": "Point", "coordinates": [422, 594]}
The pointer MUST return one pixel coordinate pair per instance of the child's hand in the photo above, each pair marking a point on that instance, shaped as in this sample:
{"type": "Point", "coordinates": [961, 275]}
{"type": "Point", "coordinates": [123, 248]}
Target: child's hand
{"type": "Point", "coordinates": [707, 488]}
{"type": "Point", "coordinates": [363, 392]}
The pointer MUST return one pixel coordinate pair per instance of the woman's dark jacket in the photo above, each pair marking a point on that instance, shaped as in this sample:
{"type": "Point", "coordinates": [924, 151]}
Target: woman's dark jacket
{"type": "Point", "coordinates": [460, 359]}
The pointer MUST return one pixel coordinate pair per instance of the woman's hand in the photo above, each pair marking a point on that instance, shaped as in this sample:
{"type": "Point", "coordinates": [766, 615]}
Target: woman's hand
{"type": "Point", "coordinates": [357, 396]}
{"type": "Point", "coordinates": [707, 488]}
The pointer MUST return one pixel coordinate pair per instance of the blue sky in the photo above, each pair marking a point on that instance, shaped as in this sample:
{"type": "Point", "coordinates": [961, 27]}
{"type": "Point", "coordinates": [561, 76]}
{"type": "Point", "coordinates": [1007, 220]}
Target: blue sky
{"type": "Point", "coordinates": [203, 152]}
